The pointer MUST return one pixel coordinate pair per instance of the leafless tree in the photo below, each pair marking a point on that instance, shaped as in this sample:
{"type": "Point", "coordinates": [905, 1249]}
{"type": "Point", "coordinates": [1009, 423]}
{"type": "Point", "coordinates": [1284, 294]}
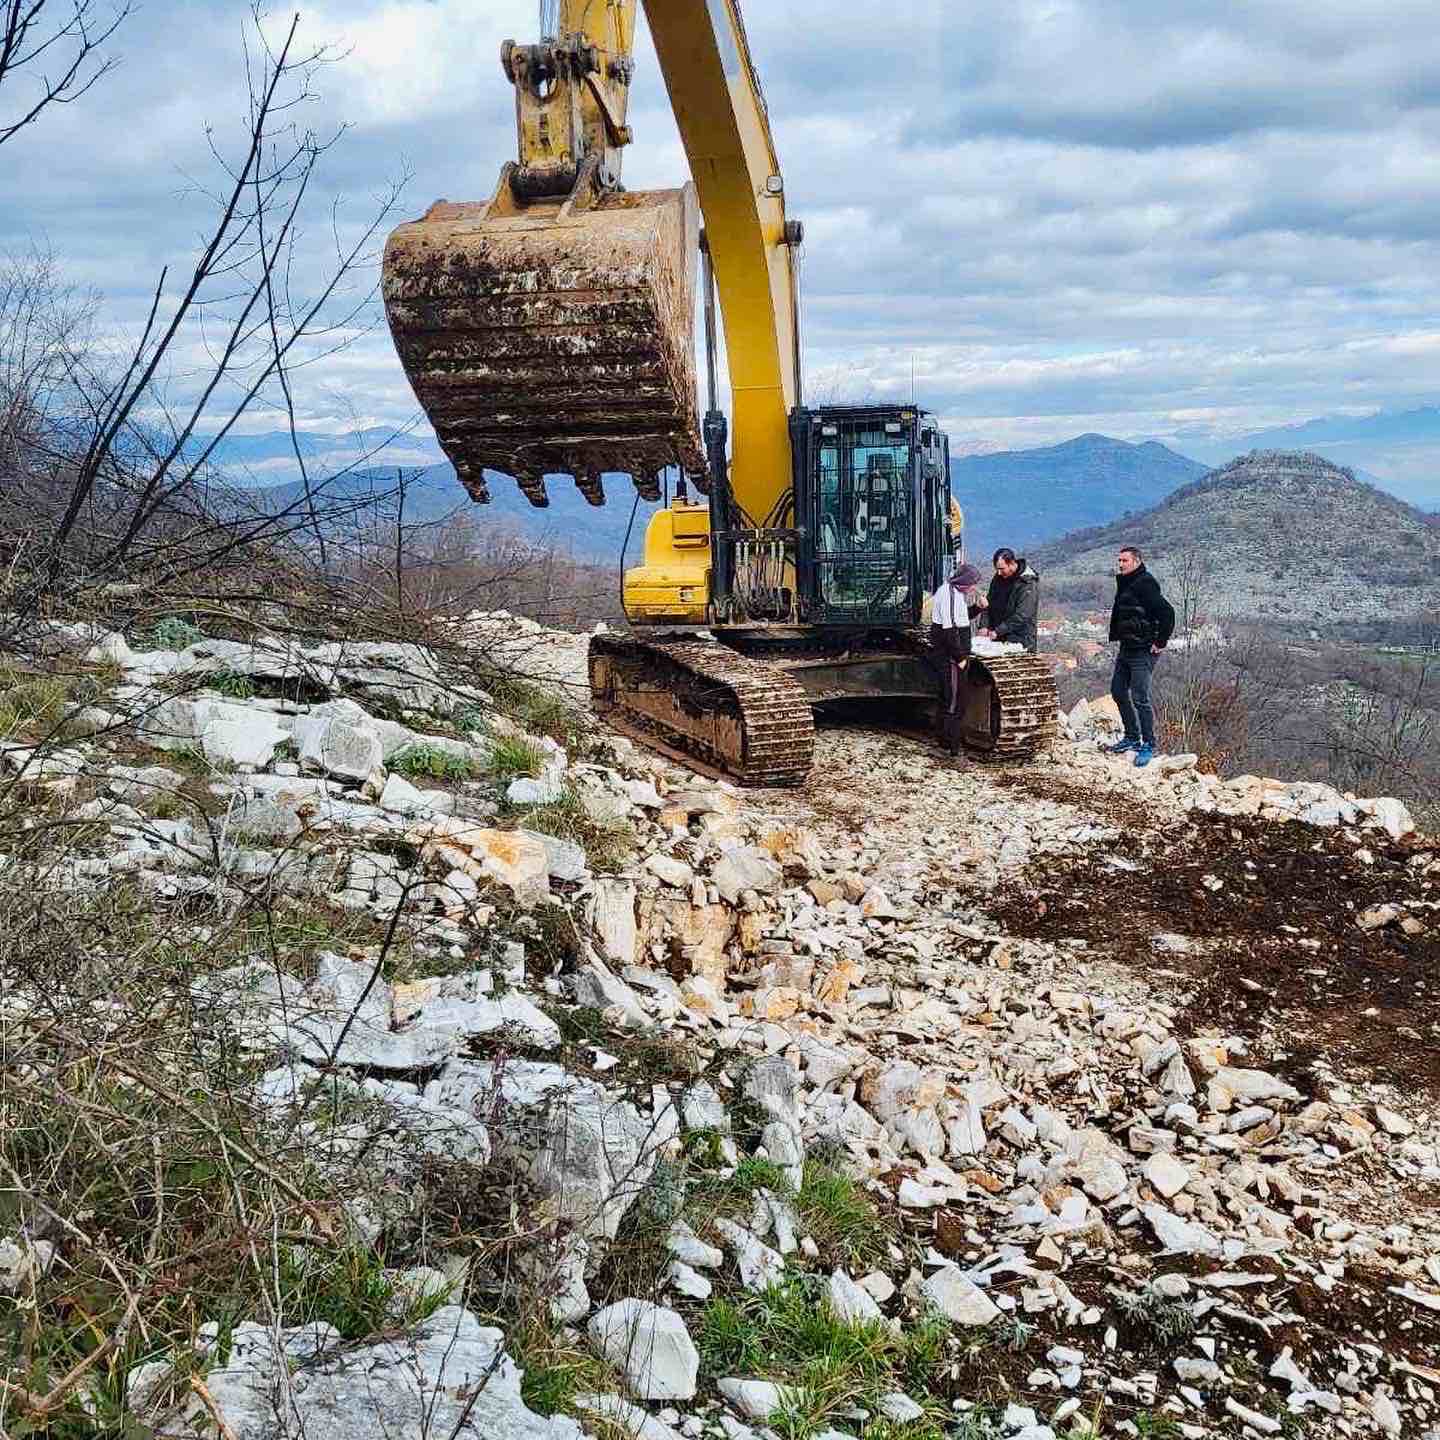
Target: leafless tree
{"type": "Point", "coordinates": [51, 53]}
{"type": "Point", "coordinates": [125, 491]}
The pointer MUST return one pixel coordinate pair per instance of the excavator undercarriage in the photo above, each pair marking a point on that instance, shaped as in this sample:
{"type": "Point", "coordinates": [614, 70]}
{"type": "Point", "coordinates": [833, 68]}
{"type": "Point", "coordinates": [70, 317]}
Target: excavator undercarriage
{"type": "Point", "coordinates": [747, 713]}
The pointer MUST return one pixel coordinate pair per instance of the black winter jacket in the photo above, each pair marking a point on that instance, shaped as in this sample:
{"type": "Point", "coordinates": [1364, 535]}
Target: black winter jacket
{"type": "Point", "coordinates": [1013, 607]}
{"type": "Point", "coordinates": [1141, 616]}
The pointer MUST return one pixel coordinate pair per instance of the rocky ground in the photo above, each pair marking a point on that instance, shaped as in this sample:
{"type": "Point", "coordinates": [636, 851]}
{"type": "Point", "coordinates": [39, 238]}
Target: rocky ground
{"type": "Point", "coordinates": [927, 1100]}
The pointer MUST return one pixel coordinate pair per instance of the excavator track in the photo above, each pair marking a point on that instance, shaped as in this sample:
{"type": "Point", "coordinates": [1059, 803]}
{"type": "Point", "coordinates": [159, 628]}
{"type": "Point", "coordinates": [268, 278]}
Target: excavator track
{"type": "Point", "coordinates": [1012, 708]}
{"type": "Point", "coordinates": [1024, 695]}
{"type": "Point", "coordinates": [700, 702]}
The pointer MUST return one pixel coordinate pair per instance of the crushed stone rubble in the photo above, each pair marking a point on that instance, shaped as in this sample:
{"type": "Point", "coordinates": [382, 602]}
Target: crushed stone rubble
{"type": "Point", "coordinates": [1066, 1151]}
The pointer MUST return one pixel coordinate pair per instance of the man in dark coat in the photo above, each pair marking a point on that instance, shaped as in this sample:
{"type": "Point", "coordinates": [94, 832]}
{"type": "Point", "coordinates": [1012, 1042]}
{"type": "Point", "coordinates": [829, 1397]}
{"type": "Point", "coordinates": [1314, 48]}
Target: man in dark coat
{"type": "Point", "coordinates": [1012, 604]}
{"type": "Point", "coordinates": [1142, 621]}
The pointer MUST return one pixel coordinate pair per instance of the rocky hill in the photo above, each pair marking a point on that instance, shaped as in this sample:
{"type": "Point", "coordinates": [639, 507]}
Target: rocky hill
{"type": "Point", "coordinates": [1022, 497]}
{"type": "Point", "coordinates": [1279, 535]}
{"type": "Point", "coordinates": [389, 1051]}
{"type": "Point", "coordinates": [1402, 445]}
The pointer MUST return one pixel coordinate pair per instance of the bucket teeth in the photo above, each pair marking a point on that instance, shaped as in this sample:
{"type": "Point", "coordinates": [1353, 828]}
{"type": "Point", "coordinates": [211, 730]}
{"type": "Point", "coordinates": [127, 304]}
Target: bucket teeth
{"type": "Point", "coordinates": [591, 485]}
{"type": "Point", "coordinates": [552, 342]}
{"type": "Point", "coordinates": [648, 486]}
{"type": "Point", "coordinates": [533, 488]}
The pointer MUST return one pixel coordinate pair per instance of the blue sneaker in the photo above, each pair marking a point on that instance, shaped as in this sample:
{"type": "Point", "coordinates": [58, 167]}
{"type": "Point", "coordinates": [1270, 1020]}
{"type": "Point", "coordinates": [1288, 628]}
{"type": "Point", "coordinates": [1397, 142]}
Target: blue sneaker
{"type": "Point", "coordinates": [1144, 755]}
{"type": "Point", "coordinates": [1123, 746]}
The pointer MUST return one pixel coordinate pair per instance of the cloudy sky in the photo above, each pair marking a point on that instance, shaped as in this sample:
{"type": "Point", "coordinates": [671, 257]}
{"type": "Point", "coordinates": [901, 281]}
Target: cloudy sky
{"type": "Point", "coordinates": [1144, 219]}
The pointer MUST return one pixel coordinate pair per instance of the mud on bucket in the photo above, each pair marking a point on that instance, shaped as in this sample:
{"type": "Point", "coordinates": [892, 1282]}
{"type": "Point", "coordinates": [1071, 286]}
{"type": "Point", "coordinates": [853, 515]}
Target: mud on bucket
{"type": "Point", "coordinates": [553, 340]}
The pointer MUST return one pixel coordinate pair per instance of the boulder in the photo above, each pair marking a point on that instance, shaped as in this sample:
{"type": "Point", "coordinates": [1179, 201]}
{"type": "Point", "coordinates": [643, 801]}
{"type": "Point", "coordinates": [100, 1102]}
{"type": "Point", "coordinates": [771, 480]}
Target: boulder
{"type": "Point", "coordinates": [344, 1012]}
{"type": "Point", "coordinates": [261, 820]}
{"type": "Point", "coordinates": [849, 1302]}
{"type": "Point", "coordinates": [630, 1421]}
{"type": "Point", "coordinates": [957, 1297]}
{"type": "Point", "coordinates": [589, 1154]}
{"type": "Point", "coordinates": [1166, 1175]}
{"type": "Point", "coordinates": [339, 748]}
{"type": "Point", "coordinates": [1250, 1087]}
{"type": "Point", "coordinates": [612, 918]}
{"type": "Point", "coordinates": [760, 1266]}
{"type": "Point", "coordinates": [697, 935]}
{"type": "Point", "coordinates": [670, 870]}
{"type": "Point", "coordinates": [534, 792]}
{"type": "Point", "coordinates": [448, 1376]}
{"type": "Point", "coordinates": [462, 1003]}
{"type": "Point", "coordinates": [564, 859]}
{"type": "Point", "coordinates": [904, 1097]}
{"type": "Point", "coordinates": [754, 1399]}
{"type": "Point", "coordinates": [650, 1346]}
{"type": "Point", "coordinates": [747, 867]}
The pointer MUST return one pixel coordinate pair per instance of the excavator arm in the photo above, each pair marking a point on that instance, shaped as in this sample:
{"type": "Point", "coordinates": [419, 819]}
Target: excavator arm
{"type": "Point", "coordinates": [572, 92]}
{"type": "Point", "coordinates": [549, 330]}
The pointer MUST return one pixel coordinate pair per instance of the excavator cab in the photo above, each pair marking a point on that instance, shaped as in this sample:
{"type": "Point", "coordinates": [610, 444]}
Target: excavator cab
{"type": "Point", "coordinates": [872, 497]}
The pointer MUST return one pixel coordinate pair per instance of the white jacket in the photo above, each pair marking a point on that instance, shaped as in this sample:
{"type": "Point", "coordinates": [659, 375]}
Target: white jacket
{"type": "Point", "coordinates": [948, 608]}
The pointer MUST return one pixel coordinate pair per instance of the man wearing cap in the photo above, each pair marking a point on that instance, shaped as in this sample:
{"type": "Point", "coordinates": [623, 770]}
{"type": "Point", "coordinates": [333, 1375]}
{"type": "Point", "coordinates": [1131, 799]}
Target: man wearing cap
{"type": "Point", "coordinates": [950, 611]}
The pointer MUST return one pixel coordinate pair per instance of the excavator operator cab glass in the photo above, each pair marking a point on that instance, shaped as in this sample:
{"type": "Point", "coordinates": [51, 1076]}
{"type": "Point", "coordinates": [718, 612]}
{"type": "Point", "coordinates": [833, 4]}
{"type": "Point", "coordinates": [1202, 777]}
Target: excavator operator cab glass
{"type": "Point", "coordinates": [864, 498]}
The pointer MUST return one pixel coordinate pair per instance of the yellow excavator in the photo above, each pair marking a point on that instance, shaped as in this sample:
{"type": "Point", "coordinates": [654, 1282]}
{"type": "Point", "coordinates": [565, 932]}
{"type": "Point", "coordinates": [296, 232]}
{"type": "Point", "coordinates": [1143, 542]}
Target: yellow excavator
{"type": "Point", "coordinates": [549, 331]}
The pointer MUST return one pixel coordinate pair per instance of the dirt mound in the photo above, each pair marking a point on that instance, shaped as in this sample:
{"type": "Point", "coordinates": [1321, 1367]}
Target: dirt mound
{"type": "Point", "coordinates": [1267, 920]}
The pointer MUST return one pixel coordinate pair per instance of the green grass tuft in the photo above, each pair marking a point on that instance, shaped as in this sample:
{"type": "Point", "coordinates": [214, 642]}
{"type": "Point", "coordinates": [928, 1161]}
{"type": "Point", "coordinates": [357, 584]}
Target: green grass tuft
{"type": "Point", "coordinates": [789, 1334]}
{"type": "Point", "coordinates": [514, 758]}
{"type": "Point", "coordinates": [232, 684]}
{"type": "Point", "coordinates": [431, 762]}
{"type": "Point", "coordinates": [30, 705]}
{"type": "Point", "coordinates": [556, 1371]}
{"type": "Point", "coordinates": [607, 847]}
{"type": "Point", "coordinates": [347, 1289]}
{"type": "Point", "coordinates": [538, 710]}
{"type": "Point", "coordinates": [843, 1220]}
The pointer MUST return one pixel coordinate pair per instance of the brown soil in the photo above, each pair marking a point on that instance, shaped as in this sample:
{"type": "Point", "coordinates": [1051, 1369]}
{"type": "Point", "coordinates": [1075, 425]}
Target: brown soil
{"type": "Point", "coordinates": [1281, 948]}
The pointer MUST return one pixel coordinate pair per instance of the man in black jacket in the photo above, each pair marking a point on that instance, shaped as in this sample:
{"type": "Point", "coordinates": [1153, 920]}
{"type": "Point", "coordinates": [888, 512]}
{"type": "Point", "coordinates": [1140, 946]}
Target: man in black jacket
{"type": "Point", "coordinates": [1012, 604]}
{"type": "Point", "coordinates": [1142, 620]}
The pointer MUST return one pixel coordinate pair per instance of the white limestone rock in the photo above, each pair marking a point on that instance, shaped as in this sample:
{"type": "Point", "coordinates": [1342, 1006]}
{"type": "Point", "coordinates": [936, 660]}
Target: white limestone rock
{"type": "Point", "coordinates": [957, 1297]}
{"type": "Point", "coordinates": [759, 1265]}
{"type": "Point", "coordinates": [650, 1346]}
{"type": "Point", "coordinates": [849, 1302]}
{"type": "Point", "coordinates": [449, 1375]}
{"type": "Point", "coordinates": [748, 867]}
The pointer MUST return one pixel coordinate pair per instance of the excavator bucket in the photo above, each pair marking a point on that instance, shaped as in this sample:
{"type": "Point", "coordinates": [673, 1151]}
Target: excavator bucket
{"type": "Point", "coordinates": [552, 339]}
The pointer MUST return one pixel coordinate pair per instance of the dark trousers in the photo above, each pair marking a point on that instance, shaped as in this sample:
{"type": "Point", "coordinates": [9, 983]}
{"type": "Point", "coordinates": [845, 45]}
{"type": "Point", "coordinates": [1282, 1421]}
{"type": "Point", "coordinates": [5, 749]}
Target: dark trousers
{"type": "Point", "coordinates": [949, 649]}
{"type": "Point", "coordinates": [1130, 689]}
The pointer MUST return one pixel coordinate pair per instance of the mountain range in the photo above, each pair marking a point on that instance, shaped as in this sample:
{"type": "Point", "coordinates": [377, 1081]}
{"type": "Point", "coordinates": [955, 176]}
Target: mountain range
{"type": "Point", "coordinates": [1022, 497]}
{"type": "Point", "coordinates": [1012, 497]}
{"type": "Point", "coordinates": [1276, 537]}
